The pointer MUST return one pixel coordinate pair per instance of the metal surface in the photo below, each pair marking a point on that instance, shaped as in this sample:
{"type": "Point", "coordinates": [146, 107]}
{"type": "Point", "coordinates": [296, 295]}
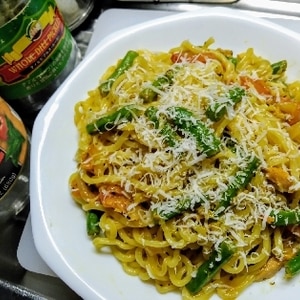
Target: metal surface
{"type": "Point", "coordinates": [15, 281]}
{"type": "Point", "coordinates": [185, 1]}
{"type": "Point", "coordinates": [290, 8]}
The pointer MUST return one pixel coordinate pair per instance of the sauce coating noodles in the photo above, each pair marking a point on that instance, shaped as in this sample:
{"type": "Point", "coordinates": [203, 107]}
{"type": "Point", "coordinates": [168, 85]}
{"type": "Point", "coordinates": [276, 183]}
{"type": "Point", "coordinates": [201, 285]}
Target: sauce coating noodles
{"type": "Point", "coordinates": [189, 149]}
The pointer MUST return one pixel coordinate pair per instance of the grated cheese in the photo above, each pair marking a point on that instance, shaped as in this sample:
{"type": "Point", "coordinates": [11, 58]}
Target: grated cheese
{"type": "Point", "coordinates": [182, 172]}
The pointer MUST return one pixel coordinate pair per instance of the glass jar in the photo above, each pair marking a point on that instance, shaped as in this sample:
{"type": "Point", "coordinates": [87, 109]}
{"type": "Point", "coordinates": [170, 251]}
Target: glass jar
{"type": "Point", "coordinates": [75, 12]}
{"type": "Point", "coordinates": [37, 53]}
{"type": "Point", "coordinates": [14, 163]}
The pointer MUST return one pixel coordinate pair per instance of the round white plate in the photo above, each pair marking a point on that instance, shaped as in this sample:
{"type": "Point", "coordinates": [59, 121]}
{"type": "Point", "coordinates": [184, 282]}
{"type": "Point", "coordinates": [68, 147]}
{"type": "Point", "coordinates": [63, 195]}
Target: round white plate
{"type": "Point", "coordinates": [58, 224]}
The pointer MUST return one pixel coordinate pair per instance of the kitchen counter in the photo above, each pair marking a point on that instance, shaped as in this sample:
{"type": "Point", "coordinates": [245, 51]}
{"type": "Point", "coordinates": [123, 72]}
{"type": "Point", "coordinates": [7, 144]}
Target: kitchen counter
{"type": "Point", "coordinates": [16, 282]}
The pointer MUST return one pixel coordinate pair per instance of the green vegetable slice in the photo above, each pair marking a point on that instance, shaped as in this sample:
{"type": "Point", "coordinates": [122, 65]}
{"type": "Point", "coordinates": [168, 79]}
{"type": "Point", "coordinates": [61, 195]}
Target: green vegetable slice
{"type": "Point", "coordinates": [217, 110]}
{"type": "Point", "coordinates": [284, 217]}
{"type": "Point", "coordinates": [123, 66]}
{"type": "Point", "coordinates": [292, 267]}
{"type": "Point", "coordinates": [110, 121]}
{"type": "Point", "coordinates": [149, 94]}
{"type": "Point", "coordinates": [279, 67]}
{"type": "Point", "coordinates": [209, 268]}
{"type": "Point", "coordinates": [240, 181]}
{"type": "Point", "coordinates": [184, 119]}
{"type": "Point", "coordinates": [92, 222]}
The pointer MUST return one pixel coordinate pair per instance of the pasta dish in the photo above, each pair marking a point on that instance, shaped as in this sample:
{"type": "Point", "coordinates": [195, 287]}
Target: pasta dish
{"type": "Point", "coordinates": [188, 168]}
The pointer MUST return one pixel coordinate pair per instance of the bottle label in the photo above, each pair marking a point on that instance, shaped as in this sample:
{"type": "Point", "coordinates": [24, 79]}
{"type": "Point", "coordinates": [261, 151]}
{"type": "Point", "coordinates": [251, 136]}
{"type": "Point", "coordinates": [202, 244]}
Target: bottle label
{"type": "Point", "coordinates": [13, 147]}
{"type": "Point", "coordinates": [34, 49]}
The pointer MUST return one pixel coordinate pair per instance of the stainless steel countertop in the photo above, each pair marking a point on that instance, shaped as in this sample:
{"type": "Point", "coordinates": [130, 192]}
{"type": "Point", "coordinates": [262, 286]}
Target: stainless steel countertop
{"type": "Point", "coordinates": [15, 281]}
{"type": "Point", "coordinates": [290, 8]}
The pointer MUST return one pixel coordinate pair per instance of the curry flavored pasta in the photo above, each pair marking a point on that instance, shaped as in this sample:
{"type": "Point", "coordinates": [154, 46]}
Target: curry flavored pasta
{"type": "Point", "coordinates": [188, 168]}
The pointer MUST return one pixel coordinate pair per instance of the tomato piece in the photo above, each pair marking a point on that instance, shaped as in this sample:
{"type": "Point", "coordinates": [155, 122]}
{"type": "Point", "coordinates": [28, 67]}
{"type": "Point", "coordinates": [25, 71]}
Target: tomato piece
{"type": "Point", "coordinates": [3, 128]}
{"type": "Point", "coordinates": [258, 84]}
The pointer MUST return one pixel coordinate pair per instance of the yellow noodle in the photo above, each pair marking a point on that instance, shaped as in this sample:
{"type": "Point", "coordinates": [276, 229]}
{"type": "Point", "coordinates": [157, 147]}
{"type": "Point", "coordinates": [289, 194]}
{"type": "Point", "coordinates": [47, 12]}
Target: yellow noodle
{"type": "Point", "coordinates": [130, 172]}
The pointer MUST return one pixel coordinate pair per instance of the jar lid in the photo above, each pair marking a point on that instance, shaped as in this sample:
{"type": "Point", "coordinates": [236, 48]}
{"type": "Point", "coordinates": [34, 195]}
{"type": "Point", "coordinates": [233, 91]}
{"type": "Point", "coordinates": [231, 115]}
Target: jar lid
{"type": "Point", "coordinates": [75, 12]}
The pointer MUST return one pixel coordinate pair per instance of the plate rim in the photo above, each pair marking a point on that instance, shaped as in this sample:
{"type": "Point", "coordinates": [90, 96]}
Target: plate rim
{"type": "Point", "coordinates": [43, 238]}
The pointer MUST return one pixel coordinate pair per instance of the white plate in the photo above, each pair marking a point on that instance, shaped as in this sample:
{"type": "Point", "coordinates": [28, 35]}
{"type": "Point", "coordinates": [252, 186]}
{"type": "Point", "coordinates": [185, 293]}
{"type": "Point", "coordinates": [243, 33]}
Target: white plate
{"type": "Point", "coordinates": [58, 224]}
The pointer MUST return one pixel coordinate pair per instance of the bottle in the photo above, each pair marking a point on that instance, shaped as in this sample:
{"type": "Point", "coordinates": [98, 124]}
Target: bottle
{"type": "Point", "coordinates": [37, 53]}
{"type": "Point", "coordinates": [75, 12]}
{"type": "Point", "coordinates": [14, 163]}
